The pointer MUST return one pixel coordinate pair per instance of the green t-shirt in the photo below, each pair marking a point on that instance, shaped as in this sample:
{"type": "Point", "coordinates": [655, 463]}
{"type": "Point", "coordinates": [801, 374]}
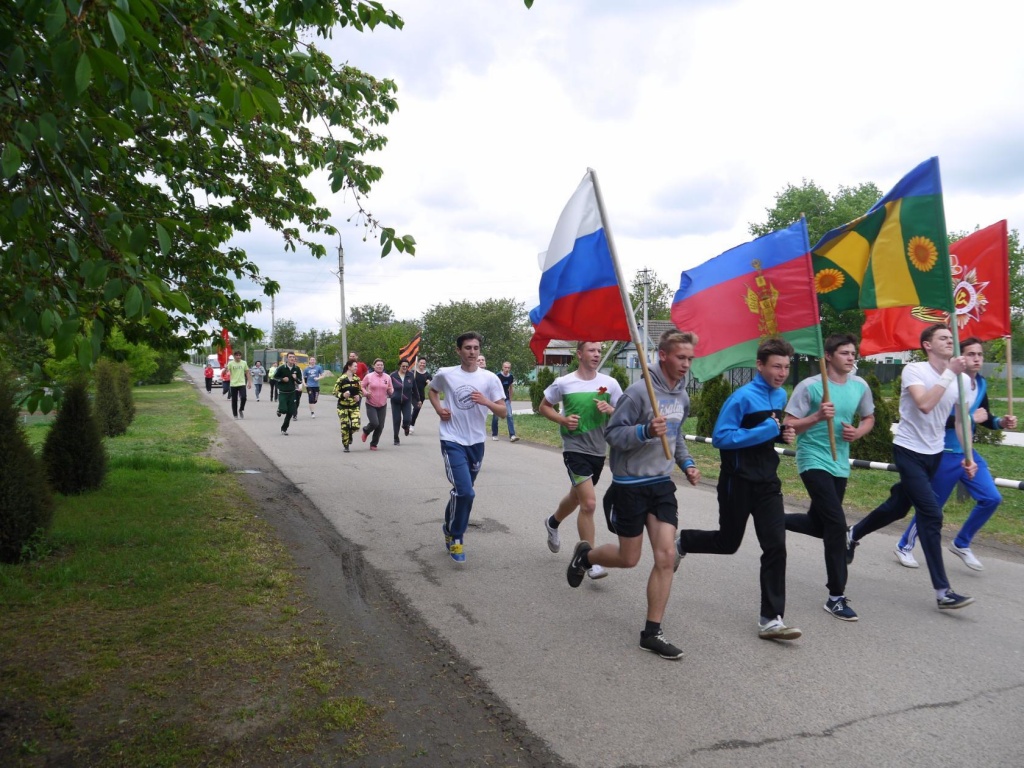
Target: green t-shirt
{"type": "Point", "coordinates": [237, 371]}
{"type": "Point", "coordinates": [812, 447]}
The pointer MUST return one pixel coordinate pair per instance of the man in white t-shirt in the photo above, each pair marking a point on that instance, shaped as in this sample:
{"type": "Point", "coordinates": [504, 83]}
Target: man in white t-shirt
{"type": "Point", "coordinates": [468, 394]}
{"type": "Point", "coordinates": [929, 392]}
{"type": "Point", "coordinates": [588, 400]}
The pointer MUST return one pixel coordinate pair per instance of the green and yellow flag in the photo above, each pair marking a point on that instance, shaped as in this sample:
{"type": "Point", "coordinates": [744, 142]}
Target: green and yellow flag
{"type": "Point", "coordinates": [895, 255]}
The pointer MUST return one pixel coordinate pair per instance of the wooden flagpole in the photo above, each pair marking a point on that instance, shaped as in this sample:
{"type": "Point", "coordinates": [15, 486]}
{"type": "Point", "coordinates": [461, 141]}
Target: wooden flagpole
{"type": "Point", "coordinates": [1009, 375]}
{"type": "Point", "coordinates": [627, 305]}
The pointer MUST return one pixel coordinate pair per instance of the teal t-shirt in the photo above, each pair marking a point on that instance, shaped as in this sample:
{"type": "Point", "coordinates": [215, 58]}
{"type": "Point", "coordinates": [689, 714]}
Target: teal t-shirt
{"type": "Point", "coordinates": [812, 447]}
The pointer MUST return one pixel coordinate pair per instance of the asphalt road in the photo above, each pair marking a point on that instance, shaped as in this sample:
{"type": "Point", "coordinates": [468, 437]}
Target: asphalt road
{"type": "Point", "coordinates": [907, 685]}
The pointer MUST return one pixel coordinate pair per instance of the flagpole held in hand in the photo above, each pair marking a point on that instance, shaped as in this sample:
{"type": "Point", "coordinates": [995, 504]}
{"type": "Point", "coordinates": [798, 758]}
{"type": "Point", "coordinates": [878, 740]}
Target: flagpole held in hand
{"type": "Point", "coordinates": [634, 332]}
{"type": "Point", "coordinates": [1009, 376]}
{"type": "Point", "coordinates": [825, 398]}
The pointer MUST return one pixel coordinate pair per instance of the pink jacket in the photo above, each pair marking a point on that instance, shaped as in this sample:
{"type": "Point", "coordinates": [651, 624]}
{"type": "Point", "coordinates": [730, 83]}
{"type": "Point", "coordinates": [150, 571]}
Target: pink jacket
{"type": "Point", "coordinates": [378, 388]}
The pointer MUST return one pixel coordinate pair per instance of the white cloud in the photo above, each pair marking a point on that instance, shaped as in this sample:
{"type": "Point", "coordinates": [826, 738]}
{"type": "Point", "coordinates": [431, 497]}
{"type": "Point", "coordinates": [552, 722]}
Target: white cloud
{"type": "Point", "coordinates": [694, 114]}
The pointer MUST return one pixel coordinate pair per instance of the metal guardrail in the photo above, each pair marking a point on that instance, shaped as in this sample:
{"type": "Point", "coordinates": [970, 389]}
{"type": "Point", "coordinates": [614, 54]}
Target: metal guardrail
{"type": "Point", "coordinates": [861, 464]}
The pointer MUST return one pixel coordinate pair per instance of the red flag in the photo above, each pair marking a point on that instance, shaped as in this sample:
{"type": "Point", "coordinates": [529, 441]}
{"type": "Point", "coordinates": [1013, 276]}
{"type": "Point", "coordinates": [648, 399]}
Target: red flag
{"type": "Point", "coordinates": [981, 294]}
{"type": "Point", "coordinates": [225, 354]}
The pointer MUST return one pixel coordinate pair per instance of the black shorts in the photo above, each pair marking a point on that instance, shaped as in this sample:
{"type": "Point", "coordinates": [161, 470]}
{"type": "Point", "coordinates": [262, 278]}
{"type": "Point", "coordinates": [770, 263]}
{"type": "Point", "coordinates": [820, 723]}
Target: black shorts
{"type": "Point", "coordinates": [583, 467]}
{"type": "Point", "coordinates": [312, 394]}
{"type": "Point", "coordinates": [626, 507]}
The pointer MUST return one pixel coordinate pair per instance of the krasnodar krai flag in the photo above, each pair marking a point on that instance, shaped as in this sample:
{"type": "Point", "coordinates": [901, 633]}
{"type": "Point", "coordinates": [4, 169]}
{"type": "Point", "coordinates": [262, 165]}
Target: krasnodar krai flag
{"type": "Point", "coordinates": [753, 291]}
{"type": "Point", "coordinates": [579, 293]}
{"type": "Point", "coordinates": [981, 292]}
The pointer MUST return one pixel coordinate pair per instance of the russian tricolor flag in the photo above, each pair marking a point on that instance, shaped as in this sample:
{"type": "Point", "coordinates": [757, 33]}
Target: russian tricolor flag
{"type": "Point", "coordinates": [579, 293]}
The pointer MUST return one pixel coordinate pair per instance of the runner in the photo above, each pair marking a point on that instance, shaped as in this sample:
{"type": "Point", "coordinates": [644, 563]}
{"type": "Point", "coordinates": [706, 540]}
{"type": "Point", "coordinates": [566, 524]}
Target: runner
{"type": "Point", "coordinates": [642, 494]}
{"type": "Point", "coordinates": [588, 399]}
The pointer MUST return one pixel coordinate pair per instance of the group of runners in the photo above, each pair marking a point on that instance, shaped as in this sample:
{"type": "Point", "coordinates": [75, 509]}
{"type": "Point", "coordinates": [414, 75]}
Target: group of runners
{"type": "Point", "coordinates": [593, 414]}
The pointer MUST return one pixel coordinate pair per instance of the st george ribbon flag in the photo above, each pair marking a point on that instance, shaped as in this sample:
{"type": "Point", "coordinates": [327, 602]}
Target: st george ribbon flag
{"type": "Point", "coordinates": [895, 255]}
{"type": "Point", "coordinates": [756, 290]}
{"type": "Point", "coordinates": [980, 268]}
{"type": "Point", "coordinates": [411, 351]}
{"type": "Point", "coordinates": [579, 291]}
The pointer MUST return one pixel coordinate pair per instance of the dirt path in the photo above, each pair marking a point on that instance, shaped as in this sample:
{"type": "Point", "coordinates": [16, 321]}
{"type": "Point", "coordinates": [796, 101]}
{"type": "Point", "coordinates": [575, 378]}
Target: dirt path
{"type": "Point", "coordinates": [440, 713]}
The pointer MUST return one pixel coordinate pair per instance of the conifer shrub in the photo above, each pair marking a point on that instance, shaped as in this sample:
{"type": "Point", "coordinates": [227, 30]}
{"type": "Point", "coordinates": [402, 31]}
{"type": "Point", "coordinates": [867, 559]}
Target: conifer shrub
{"type": "Point", "coordinates": [125, 384]}
{"type": "Point", "coordinates": [876, 445]}
{"type": "Point", "coordinates": [621, 375]}
{"type": "Point", "coordinates": [26, 504]}
{"type": "Point", "coordinates": [110, 414]}
{"type": "Point", "coordinates": [545, 377]}
{"type": "Point", "coordinates": [73, 453]}
{"type": "Point", "coordinates": [713, 395]}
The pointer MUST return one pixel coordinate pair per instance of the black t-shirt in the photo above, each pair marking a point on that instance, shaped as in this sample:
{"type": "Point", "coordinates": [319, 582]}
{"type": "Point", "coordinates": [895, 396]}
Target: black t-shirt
{"type": "Point", "coordinates": [422, 379]}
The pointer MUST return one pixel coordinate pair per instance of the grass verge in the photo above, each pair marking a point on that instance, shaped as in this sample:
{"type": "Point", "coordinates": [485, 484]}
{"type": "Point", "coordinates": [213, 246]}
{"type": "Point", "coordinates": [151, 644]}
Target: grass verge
{"type": "Point", "coordinates": [161, 624]}
{"type": "Point", "coordinates": [867, 487]}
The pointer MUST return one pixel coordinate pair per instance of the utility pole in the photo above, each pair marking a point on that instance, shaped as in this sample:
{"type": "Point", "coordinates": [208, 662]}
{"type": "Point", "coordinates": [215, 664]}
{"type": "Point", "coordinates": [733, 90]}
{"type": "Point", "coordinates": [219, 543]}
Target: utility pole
{"type": "Point", "coordinates": [645, 277]}
{"type": "Point", "coordinates": [272, 324]}
{"type": "Point", "coordinates": [341, 288]}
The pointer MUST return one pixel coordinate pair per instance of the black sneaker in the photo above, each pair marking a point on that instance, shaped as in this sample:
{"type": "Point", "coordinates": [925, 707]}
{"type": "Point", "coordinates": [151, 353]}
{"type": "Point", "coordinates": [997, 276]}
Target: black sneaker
{"type": "Point", "coordinates": [841, 609]}
{"type": "Point", "coordinates": [951, 601]}
{"type": "Point", "coordinates": [241, 414]}
{"type": "Point", "coordinates": [657, 643]}
{"type": "Point", "coordinates": [851, 545]}
{"type": "Point", "coordinates": [577, 570]}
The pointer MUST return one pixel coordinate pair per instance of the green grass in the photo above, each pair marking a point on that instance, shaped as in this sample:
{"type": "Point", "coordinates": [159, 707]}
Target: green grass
{"type": "Point", "coordinates": [164, 627]}
{"type": "Point", "coordinates": [867, 487]}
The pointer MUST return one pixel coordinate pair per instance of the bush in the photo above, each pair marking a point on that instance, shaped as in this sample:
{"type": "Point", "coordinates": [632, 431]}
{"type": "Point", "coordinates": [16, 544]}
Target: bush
{"type": "Point", "coordinates": [110, 413]}
{"type": "Point", "coordinates": [167, 364]}
{"type": "Point", "coordinates": [713, 395]}
{"type": "Point", "coordinates": [26, 506]}
{"type": "Point", "coordinates": [621, 375]}
{"type": "Point", "coordinates": [545, 377]}
{"type": "Point", "coordinates": [125, 381]}
{"type": "Point", "coordinates": [876, 445]}
{"type": "Point", "coordinates": [73, 453]}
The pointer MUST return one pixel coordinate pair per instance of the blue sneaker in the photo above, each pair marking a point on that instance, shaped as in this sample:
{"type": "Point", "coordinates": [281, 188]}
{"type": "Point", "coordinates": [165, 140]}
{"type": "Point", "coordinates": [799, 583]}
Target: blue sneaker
{"type": "Point", "coordinates": [447, 539]}
{"type": "Point", "coordinates": [456, 551]}
{"type": "Point", "coordinates": [841, 609]}
{"type": "Point", "coordinates": [951, 601]}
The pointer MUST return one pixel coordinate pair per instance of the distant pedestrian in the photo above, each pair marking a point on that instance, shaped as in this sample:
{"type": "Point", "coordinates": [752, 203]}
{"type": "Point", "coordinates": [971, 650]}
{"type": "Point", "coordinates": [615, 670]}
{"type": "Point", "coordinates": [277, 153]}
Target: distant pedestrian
{"type": "Point", "coordinates": [403, 383]}
{"type": "Point", "coordinates": [258, 373]}
{"type": "Point", "coordinates": [377, 388]}
{"type": "Point", "coordinates": [313, 374]}
{"type": "Point", "coordinates": [289, 381]}
{"type": "Point", "coordinates": [422, 379]}
{"type": "Point", "coordinates": [349, 391]}
{"type": "Point", "coordinates": [208, 375]}
{"type": "Point", "coordinates": [273, 383]}
{"type": "Point", "coordinates": [468, 394]}
{"type": "Point", "coordinates": [507, 383]}
{"type": "Point", "coordinates": [238, 373]}
{"type": "Point", "coordinates": [225, 380]}
{"type": "Point", "coordinates": [361, 369]}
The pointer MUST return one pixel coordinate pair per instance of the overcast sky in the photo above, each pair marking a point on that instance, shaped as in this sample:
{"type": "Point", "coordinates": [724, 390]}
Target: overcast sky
{"type": "Point", "coordinates": [694, 114]}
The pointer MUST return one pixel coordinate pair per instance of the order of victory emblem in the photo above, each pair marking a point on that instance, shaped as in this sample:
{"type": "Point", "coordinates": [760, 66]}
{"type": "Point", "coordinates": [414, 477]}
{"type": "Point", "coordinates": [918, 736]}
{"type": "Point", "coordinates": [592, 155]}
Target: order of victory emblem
{"type": "Point", "coordinates": [968, 298]}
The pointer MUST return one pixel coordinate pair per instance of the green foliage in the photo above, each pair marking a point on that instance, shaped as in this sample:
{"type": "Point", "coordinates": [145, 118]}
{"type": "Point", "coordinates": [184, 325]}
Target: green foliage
{"type": "Point", "coordinates": [545, 377]}
{"type": "Point", "coordinates": [26, 506]}
{"type": "Point", "coordinates": [125, 380]}
{"type": "Point", "coordinates": [504, 325]}
{"type": "Point", "coordinates": [167, 364]}
{"type": "Point", "coordinates": [713, 395]}
{"type": "Point", "coordinates": [110, 414]}
{"type": "Point", "coordinates": [73, 453]}
{"type": "Point", "coordinates": [371, 340]}
{"type": "Point", "coordinates": [286, 335]}
{"type": "Point", "coordinates": [374, 314]}
{"type": "Point", "coordinates": [876, 445]}
{"type": "Point", "coordinates": [621, 375]}
{"type": "Point", "coordinates": [659, 297]}
{"type": "Point", "coordinates": [138, 138]}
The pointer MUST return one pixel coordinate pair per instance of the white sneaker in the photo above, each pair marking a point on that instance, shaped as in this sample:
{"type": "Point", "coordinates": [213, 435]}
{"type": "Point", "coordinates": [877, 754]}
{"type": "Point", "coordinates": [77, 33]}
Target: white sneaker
{"type": "Point", "coordinates": [777, 630]}
{"type": "Point", "coordinates": [312, 415]}
{"type": "Point", "coordinates": [965, 554]}
{"type": "Point", "coordinates": [554, 540]}
{"type": "Point", "coordinates": [514, 439]}
{"type": "Point", "coordinates": [597, 572]}
{"type": "Point", "coordinates": [412, 429]}
{"type": "Point", "coordinates": [906, 558]}
{"type": "Point", "coordinates": [495, 438]}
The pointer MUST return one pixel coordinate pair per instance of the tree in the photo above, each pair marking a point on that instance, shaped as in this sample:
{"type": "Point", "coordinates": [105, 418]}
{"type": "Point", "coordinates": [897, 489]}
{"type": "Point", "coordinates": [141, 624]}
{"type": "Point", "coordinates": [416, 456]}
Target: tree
{"type": "Point", "coordinates": [26, 506]}
{"type": "Point", "coordinates": [286, 335]}
{"type": "Point", "coordinates": [372, 314]}
{"type": "Point", "coordinates": [659, 296]}
{"type": "Point", "coordinates": [111, 416]}
{"type": "Point", "coordinates": [824, 212]}
{"type": "Point", "coordinates": [504, 325]}
{"type": "Point", "coordinates": [384, 341]}
{"type": "Point", "coordinates": [73, 452]}
{"type": "Point", "coordinates": [136, 138]}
